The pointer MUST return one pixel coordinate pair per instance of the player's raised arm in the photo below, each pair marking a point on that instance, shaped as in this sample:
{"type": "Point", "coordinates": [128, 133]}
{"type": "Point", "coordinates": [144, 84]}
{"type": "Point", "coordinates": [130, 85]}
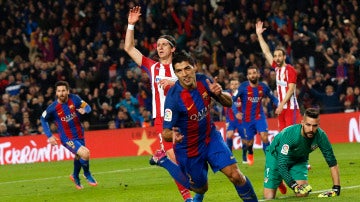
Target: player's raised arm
{"type": "Point", "coordinates": [134, 53]}
{"type": "Point", "coordinates": [223, 97]}
{"type": "Point", "coordinates": [264, 47]}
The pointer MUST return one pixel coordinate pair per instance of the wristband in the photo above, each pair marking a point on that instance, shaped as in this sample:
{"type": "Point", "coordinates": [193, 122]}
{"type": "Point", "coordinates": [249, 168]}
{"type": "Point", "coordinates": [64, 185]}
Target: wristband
{"type": "Point", "coordinates": [293, 185]}
{"type": "Point", "coordinates": [131, 27]}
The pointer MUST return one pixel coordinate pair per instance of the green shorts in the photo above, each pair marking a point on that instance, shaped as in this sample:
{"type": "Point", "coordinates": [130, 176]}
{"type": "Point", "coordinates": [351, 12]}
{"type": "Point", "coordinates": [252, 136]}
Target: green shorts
{"type": "Point", "coordinates": [272, 177]}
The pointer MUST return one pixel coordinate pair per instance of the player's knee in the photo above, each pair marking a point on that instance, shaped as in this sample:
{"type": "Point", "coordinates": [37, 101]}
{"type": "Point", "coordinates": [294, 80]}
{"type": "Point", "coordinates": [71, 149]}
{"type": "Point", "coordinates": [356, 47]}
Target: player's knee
{"type": "Point", "coordinates": [269, 193]}
{"type": "Point", "coordinates": [84, 153]}
{"type": "Point", "coordinates": [201, 190]}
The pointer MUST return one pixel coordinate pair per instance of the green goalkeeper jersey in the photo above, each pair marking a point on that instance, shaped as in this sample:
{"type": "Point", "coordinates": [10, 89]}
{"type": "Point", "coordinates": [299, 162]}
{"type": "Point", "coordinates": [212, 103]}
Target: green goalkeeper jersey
{"type": "Point", "coordinates": [290, 147]}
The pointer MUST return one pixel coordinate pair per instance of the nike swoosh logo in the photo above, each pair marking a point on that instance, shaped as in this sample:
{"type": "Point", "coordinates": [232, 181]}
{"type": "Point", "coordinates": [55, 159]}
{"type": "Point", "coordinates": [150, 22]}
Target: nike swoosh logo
{"type": "Point", "coordinates": [188, 108]}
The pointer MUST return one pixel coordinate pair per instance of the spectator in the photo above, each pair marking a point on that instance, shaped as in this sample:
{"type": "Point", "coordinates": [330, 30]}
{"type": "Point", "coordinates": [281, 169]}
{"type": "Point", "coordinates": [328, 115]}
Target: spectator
{"type": "Point", "coordinates": [330, 100]}
{"type": "Point", "coordinates": [357, 98]}
{"type": "Point", "coordinates": [349, 100]}
{"type": "Point", "coordinates": [13, 127]}
{"type": "Point", "coordinates": [5, 61]}
{"type": "Point", "coordinates": [123, 120]}
{"type": "Point", "coordinates": [3, 130]}
{"type": "Point", "coordinates": [130, 83]}
{"type": "Point", "coordinates": [131, 104]}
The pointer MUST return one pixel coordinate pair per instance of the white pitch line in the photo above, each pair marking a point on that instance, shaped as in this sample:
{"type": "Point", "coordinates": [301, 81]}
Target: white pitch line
{"type": "Point", "coordinates": [317, 192]}
{"type": "Point", "coordinates": [97, 173]}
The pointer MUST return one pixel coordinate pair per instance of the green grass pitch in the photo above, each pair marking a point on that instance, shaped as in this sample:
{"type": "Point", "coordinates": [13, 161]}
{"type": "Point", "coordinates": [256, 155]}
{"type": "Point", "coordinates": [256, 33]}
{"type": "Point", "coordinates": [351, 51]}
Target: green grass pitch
{"type": "Point", "coordinates": [132, 179]}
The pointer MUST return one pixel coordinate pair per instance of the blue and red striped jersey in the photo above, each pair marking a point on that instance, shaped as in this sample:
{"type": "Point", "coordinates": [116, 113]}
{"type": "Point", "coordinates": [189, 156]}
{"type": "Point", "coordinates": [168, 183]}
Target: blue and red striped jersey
{"type": "Point", "coordinates": [189, 110]}
{"type": "Point", "coordinates": [251, 100]}
{"type": "Point", "coordinates": [66, 118]}
{"type": "Point", "coordinates": [229, 112]}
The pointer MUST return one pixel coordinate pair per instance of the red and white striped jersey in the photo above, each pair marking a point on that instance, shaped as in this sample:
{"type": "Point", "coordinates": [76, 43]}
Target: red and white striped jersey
{"type": "Point", "coordinates": [157, 72]}
{"type": "Point", "coordinates": [284, 76]}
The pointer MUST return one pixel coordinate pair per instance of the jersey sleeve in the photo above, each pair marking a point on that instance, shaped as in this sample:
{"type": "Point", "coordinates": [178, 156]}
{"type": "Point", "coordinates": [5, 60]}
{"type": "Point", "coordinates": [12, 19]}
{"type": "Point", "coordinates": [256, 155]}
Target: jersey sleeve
{"type": "Point", "coordinates": [270, 94]}
{"type": "Point", "coordinates": [171, 114]}
{"type": "Point", "coordinates": [285, 145]}
{"type": "Point", "coordinates": [202, 78]}
{"type": "Point", "coordinates": [326, 149]}
{"type": "Point", "coordinates": [79, 103]}
{"type": "Point", "coordinates": [146, 63]}
{"type": "Point", "coordinates": [44, 119]}
{"type": "Point", "coordinates": [292, 75]}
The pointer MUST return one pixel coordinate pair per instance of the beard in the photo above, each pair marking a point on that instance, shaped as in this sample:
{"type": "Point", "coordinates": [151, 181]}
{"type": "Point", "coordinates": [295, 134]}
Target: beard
{"type": "Point", "coordinates": [309, 134]}
{"type": "Point", "coordinates": [62, 99]}
{"type": "Point", "coordinates": [253, 81]}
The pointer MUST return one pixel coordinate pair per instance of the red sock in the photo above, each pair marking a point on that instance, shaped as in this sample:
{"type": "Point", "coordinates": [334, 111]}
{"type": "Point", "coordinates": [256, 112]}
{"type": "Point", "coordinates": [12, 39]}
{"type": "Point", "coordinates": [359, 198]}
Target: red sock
{"type": "Point", "coordinates": [185, 193]}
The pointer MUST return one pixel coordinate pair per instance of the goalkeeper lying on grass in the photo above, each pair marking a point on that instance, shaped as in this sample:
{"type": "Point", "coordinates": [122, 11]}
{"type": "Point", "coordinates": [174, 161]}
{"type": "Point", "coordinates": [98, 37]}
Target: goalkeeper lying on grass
{"type": "Point", "coordinates": [288, 154]}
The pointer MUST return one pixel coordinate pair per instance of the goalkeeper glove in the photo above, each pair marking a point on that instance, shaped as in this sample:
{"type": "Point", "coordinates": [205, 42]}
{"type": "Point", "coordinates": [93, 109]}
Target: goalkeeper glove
{"type": "Point", "coordinates": [301, 189]}
{"type": "Point", "coordinates": [334, 192]}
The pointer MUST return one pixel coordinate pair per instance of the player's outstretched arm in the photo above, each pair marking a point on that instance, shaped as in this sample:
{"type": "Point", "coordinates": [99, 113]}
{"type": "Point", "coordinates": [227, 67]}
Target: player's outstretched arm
{"type": "Point", "coordinates": [335, 191]}
{"type": "Point", "coordinates": [264, 47]}
{"type": "Point", "coordinates": [135, 54]}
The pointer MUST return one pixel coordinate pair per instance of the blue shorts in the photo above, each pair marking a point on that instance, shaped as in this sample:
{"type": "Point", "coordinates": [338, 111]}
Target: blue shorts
{"type": "Point", "coordinates": [235, 125]}
{"type": "Point", "coordinates": [254, 127]}
{"type": "Point", "coordinates": [74, 144]}
{"type": "Point", "coordinates": [217, 155]}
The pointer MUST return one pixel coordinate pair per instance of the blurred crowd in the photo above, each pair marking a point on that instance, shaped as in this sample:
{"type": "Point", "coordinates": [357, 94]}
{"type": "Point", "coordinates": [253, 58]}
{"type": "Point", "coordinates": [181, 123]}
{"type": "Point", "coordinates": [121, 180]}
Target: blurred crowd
{"type": "Point", "coordinates": [82, 42]}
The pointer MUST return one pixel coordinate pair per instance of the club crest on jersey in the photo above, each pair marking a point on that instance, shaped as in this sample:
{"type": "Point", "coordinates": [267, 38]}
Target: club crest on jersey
{"type": "Point", "coordinates": [285, 149]}
{"type": "Point", "coordinates": [168, 115]}
{"type": "Point", "coordinates": [313, 147]}
{"type": "Point", "coordinates": [205, 96]}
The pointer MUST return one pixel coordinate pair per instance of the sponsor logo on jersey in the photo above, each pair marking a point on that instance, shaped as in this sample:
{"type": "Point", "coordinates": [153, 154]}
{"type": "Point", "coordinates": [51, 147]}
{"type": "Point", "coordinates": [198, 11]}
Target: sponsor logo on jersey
{"type": "Point", "coordinates": [200, 114]}
{"type": "Point", "coordinates": [159, 78]}
{"type": "Point", "coordinates": [69, 117]}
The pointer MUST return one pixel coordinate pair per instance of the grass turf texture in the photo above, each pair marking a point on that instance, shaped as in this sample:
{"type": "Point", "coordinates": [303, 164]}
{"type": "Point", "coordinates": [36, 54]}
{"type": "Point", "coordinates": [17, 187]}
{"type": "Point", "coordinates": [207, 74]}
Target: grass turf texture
{"type": "Point", "coordinates": [133, 179]}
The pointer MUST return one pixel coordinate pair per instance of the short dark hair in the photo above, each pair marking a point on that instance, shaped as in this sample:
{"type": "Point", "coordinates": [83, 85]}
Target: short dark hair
{"type": "Point", "coordinates": [253, 67]}
{"type": "Point", "coordinates": [279, 48]}
{"type": "Point", "coordinates": [312, 113]}
{"type": "Point", "coordinates": [181, 57]}
{"type": "Point", "coordinates": [170, 39]}
{"type": "Point", "coordinates": [62, 83]}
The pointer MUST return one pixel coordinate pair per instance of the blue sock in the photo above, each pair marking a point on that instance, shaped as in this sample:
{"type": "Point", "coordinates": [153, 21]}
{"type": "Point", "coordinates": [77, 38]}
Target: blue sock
{"type": "Point", "coordinates": [229, 142]}
{"type": "Point", "coordinates": [77, 167]}
{"type": "Point", "coordinates": [250, 149]}
{"type": "Point", "coordinates": [265, 145]}
{"type": "Point", "coordinates": [246, 192]}
{"type": "Point", "coordinates": [85, 165]}
{"type": "Point", "coordinates": [175, 171]}
{"type": "Point", "coordinates": [198, 197]}
{"type": "Point", "coordinates": [244, 152]}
